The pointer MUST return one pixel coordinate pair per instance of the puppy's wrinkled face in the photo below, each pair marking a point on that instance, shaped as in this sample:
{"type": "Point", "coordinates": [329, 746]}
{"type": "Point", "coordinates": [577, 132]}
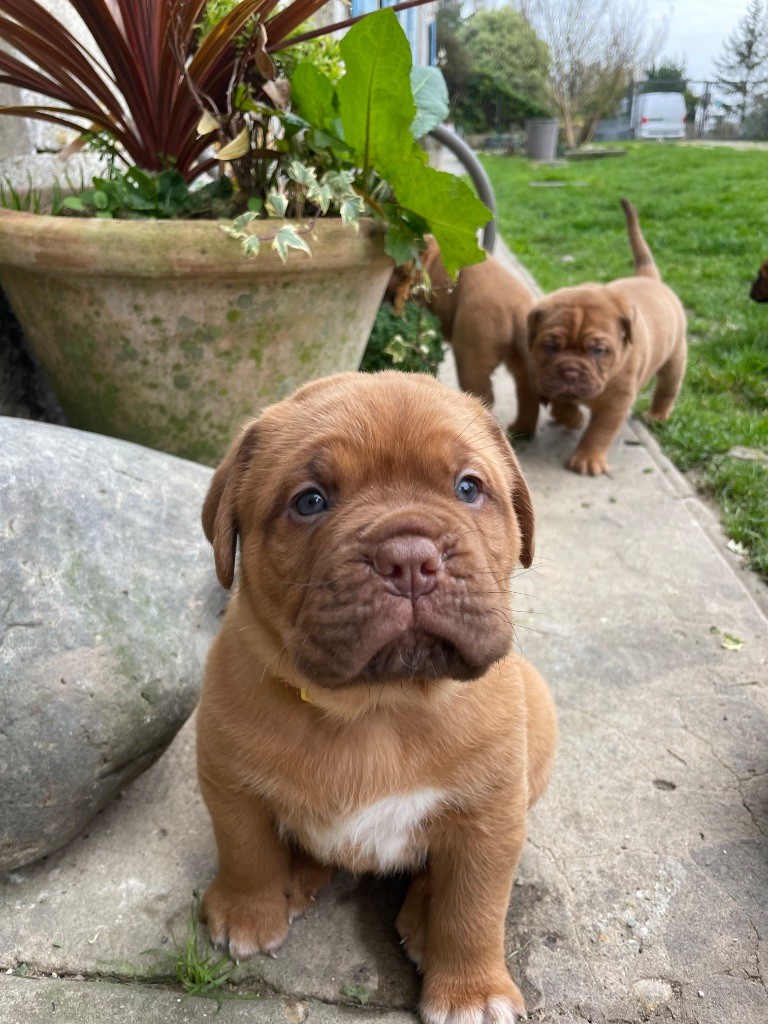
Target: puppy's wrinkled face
{"type": "Point", "coordinates": [380, 520]}
{"type": "Point", "coordinates": [576, 346]}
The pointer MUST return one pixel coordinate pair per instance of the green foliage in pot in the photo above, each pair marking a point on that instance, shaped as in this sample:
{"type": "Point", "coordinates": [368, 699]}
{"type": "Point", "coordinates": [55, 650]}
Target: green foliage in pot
{"type": "Point", "coordinates": [410, 341]}
{"type": "Point", "coordinates": [165, 97]}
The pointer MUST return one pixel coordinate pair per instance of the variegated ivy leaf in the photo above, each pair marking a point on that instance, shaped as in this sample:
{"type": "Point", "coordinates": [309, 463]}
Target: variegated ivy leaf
{"type": "Point", "coordinates": [351, 210]}
{"type": "Point", "coordinates": [397, 349]}
{"type": "Point", "coordinates": [251, 245]}
{"type": "Point", "coordinates": [276, 204]}
{"type": "Point", "coordinates": [340, 183]}
{"type": "Point", "coordinates": [285, 239]}
{"type": "Point", "coordinates": [302, 174]}
{"type": "Point", "coordinates": [322, 195]}
{"type": "Point", "coordinates": [241, 222]}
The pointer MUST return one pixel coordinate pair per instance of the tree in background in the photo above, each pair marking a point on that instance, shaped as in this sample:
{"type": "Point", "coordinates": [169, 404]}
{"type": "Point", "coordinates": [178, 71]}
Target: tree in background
{"type": "Point", "coordinates": [755, 124]}
{"type": "Point", "coordinates": [597, 47]}
{"type": "Point", "coordinates": [451, 52]}
{"type": "Point", "coordinates": [741, 71]}
{"type": "Point", "coordinates": [494, 64]}
{"type": "Point", "coordinates": [502, 44]}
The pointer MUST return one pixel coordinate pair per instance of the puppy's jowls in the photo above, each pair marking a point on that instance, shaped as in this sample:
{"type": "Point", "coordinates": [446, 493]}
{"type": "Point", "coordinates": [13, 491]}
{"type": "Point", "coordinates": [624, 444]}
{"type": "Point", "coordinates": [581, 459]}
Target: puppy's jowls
{"type": "Point", "coordinates": [597, 345]}
{"type": "Point", "coordinates": [362, 705]}
{"type": "Point", "coordinates": [483, 315]}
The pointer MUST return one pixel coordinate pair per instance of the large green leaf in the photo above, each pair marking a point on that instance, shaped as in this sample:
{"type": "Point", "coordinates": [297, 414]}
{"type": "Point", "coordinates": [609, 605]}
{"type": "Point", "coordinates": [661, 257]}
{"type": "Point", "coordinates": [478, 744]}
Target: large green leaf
{"type": "Point", "coordinates": [375, 98]}
{"type": "Point", "coordinates": [453, 211]}
{"type": "Point", "coordinates": [430, 94]}
{"type": "Point", "coordinates": [312, 94]}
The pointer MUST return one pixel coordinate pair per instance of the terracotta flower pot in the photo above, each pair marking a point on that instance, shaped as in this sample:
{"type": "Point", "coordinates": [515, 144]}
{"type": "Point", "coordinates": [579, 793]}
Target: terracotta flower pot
{"type": "Point", "coordinates": [164, 333]}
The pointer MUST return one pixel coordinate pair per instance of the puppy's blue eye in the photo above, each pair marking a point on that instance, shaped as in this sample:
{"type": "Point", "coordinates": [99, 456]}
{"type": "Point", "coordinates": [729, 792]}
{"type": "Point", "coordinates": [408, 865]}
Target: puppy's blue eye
{"type": "Point", "coordinates": [468, 490]}
{"type": "Point", "coordinates": [310, 502]}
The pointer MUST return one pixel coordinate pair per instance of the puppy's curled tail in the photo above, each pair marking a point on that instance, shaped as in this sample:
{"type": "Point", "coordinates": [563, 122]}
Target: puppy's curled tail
{"type": "Point", "coordinates": [645, 265]}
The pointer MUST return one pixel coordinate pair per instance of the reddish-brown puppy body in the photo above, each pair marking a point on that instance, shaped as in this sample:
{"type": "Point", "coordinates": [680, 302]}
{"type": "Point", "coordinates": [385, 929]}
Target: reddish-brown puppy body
{"type": "Point", "coordinates": [362, 706]}
{"type": "Point", "coordinates": [598, 345]}
{"type": "Point", "coordinates": [483, 315]}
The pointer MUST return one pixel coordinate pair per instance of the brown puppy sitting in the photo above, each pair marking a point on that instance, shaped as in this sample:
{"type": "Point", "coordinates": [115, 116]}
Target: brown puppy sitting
{"type": "Point", "coordinates": [483, 315]}
{"type": "Point", "coordinates": [362, 706]}
{"type": "Point", "coordinates": [759, 290]}
{"type": "Point", "coordinates": [597, 345]}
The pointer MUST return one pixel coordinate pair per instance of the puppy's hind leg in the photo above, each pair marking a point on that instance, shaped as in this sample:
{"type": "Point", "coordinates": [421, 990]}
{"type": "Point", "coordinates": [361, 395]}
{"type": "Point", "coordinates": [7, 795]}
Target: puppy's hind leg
{"type": "Point", "coordinates": [541, 732]}
{"type": "Point", "coordinates": [477, 354]}
{"type": "Point", "coordinates": [668, 382]}
{"type": "Point", "coordinates": [527, 399]}
{"type": "Point", "coordinates": [411, 922]}
{"type": "Point", "coordinates": [308, 878]}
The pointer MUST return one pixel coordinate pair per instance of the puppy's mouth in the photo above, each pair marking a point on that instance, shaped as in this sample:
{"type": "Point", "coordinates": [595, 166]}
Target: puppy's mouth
{"type": "Point", "coordinates": [418, 654]}
{"type": "Point", "coordinates": [396, 640]}
{"type": "Point", "coordinates": [580, 389]}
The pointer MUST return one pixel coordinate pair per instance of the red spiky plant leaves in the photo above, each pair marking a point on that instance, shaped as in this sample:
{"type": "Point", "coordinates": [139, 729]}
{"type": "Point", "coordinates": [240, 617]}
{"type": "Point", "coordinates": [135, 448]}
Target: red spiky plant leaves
{"type": "Point", "coordinates": [147, 84]}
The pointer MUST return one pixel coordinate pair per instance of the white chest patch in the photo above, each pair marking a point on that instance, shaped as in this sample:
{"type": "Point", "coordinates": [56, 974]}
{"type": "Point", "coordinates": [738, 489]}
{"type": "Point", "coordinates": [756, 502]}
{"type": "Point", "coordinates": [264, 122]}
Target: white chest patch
{"type": "Point", "coordinates": [382, 832]}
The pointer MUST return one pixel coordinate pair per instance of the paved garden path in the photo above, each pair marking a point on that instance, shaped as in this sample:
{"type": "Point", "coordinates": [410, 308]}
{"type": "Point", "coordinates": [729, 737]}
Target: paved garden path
{"type": "Point", "coordinates": [642, 893]}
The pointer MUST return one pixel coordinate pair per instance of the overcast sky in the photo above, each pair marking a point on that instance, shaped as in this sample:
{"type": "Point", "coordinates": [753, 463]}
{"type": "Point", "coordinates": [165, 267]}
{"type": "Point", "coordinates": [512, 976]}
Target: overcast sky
{"type": "Point", "coordinates": [697, 30]}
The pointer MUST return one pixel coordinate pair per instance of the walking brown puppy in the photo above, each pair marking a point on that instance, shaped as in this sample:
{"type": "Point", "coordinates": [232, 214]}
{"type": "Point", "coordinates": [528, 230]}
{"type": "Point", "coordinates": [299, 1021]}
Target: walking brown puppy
{"type": "Point", "coordinates": [483, 315]}
{"type": "Point", "coordinates": [597, 345]}
{"type": "Point", "coordinates": [362, 706]}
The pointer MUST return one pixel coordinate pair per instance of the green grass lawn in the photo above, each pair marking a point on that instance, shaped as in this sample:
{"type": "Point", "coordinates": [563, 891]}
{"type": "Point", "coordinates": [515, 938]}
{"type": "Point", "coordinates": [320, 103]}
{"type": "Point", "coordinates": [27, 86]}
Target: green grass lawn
{"type": "Point", "coordinates": [704, 213]}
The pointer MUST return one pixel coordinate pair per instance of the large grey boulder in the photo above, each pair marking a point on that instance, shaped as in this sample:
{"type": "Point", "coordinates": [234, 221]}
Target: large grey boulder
{"type": "Point", "coordinates": [108, 603]}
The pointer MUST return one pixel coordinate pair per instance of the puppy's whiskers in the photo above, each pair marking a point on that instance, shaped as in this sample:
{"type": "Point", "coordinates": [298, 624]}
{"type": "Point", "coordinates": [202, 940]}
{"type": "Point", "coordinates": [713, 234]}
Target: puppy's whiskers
{"type": "Point", "coordinates": [310, 584]}
{"type": "Point", "coordinates": [457, 438]}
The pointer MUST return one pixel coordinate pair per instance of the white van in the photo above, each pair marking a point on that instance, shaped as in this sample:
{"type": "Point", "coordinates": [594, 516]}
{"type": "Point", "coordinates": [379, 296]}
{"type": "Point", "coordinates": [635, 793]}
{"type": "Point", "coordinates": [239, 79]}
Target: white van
{"type": "Point", "coordinates": [658, 115]}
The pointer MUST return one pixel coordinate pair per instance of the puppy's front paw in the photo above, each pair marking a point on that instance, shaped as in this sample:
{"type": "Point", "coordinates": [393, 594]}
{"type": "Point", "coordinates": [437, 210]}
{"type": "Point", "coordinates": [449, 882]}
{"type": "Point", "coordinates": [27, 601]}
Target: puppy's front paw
{"type": "Point", "coordinates": [588, 463]}
{"type": "Point", "coordinates": [567, 415]}
{"type": "Point", "coordinates": [660, 415]}
{"type": "Point", "coordinates": [246, 923]}
{"type": "Point", "coordinates": [521, 427]}
{"type": "Point", "coordinates": [495, 1000]}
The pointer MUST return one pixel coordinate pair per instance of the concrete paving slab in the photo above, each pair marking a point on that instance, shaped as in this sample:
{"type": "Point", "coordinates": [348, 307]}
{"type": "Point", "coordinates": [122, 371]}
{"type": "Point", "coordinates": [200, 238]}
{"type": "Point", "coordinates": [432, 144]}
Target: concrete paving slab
{"type": "Point", "coordinates": [643, 883]}
{"type": "Point", "coordinates": [70, 1002]}
{"type": "Point", "coordinates": [642, 892]}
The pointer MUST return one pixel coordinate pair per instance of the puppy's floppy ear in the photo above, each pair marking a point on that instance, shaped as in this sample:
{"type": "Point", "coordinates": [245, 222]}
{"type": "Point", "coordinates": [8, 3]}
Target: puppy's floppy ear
{"type": "Point", "coordinates": [220, 517]}
{"type": "Point", "coordinates": [521, 498]}
{"type": "Point", "coordinates": [534, 322]}
{"type": "Point", "coordinates": [523, 506]}
{"type": "Point", "coordinates": [626, 319]}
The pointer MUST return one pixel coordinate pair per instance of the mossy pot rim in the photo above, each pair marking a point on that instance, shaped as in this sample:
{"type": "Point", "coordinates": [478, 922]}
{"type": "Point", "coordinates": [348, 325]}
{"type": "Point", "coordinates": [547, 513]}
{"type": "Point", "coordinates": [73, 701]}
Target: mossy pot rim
{"type": "Point", "coordinates": [177, 247]}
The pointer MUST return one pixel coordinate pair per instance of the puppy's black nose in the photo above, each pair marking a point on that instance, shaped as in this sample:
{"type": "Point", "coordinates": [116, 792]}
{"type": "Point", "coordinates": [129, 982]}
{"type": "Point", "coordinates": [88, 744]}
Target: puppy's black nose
{"type": "Point", "coordinates": [409, 565]}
